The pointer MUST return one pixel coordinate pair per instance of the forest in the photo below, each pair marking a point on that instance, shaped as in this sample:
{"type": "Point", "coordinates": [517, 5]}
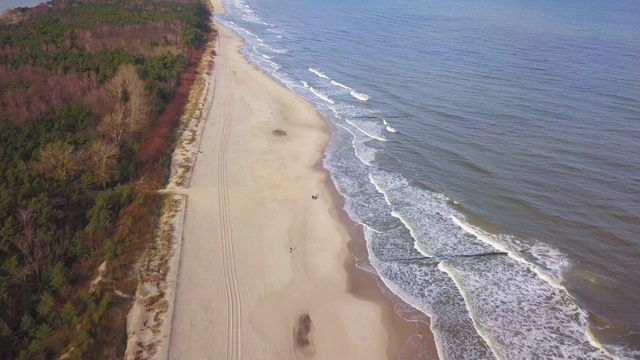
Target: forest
{"type": "Point", "coordinates": [90, 93]}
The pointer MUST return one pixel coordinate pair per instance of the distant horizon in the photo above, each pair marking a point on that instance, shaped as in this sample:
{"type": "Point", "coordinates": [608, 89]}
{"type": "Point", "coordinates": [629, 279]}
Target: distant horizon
{"type": "Point", "coordinates": [7, 4]}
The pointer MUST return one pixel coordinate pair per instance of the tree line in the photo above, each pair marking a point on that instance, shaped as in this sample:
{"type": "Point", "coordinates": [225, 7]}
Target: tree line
{"type": "Point", "coordinates": [84, 88]}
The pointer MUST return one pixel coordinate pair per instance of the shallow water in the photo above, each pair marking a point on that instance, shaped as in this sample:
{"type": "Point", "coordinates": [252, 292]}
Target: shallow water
{"type": "Point", "coordinates": [505, 130]}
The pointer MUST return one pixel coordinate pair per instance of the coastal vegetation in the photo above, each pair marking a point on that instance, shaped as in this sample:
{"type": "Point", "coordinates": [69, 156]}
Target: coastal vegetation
{"type": "Point", "coordinates": [90, 93]}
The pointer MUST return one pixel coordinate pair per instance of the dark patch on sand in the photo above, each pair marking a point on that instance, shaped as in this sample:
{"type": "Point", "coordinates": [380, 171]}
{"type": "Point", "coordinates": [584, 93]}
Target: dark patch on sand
{"type": "Point", "coordinates": [302, 337]}
{"type": "Point", "coordinates": [279, 132]}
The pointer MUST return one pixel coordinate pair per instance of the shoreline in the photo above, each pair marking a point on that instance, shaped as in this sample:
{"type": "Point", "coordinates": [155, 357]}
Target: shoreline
{"type": "Point", "coordinates": [362, 283]}
{"type": "Point", "coordinates": [369, 286]}
{"type": "Point", "coordinates": [309, 283]}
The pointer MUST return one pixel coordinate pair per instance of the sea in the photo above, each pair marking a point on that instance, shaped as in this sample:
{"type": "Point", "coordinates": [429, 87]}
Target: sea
{"type": "Point", "coordinates": [7, 4]}
{"type": "Point", "coordinates": [491, 151]}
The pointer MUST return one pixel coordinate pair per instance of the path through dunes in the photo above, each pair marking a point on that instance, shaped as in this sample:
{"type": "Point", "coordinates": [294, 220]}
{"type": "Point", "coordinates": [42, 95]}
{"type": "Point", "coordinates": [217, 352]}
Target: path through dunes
{"type": "Point", "coordinates": [207, 268]}
{"type": "Point", "coordinates": [234, 305]}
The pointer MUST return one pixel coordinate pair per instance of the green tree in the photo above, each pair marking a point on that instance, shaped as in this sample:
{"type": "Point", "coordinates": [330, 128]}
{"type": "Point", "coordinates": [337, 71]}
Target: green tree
{"type": "Point", "coordinates": [57, 279]}
{"type": "Point", "coordinates": [45, 307]}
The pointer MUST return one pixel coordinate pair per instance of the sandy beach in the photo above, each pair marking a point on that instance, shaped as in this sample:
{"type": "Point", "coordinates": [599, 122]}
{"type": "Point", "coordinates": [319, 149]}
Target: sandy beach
{"type": "Point", "coordinates": [263, 266]}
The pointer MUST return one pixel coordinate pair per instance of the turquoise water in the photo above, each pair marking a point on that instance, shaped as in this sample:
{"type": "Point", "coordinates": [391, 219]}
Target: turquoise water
{"type": "Point", "coordinates": [509, 130]}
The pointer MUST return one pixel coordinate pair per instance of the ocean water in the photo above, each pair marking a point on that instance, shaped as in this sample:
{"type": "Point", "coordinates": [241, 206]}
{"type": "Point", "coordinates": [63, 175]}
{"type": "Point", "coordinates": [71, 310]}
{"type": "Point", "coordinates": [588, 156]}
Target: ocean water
{"type": "Point", "coordinates": [7, 4]}
{"type": "Point", "coordinates": [491, 151]}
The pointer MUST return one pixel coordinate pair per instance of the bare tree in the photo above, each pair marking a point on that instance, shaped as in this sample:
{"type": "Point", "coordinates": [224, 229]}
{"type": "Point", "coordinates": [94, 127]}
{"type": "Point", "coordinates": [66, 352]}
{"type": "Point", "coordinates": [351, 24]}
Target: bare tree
{"type": "Point", "coordinates": [127, 88]}
{"type": "Point", "coordinates": [117, 86]}
{"type": "Point", "coordinates": [27, 244]}
{"type": "Point", "coordinates": [103, 160]}
{"type": "Point", "coordinates": [138, 105]}
{"type": "Point", "coordinates": [59, 161]}
{"type": "Point", "coordinates": [114, 124]}
{"type": "Point", "coordinates": [38, 255]}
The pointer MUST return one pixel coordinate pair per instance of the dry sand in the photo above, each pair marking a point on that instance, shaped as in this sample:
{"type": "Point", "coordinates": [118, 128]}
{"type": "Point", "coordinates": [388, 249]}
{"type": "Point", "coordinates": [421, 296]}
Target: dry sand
{"type": "Point", "coordinates": [263, 266]}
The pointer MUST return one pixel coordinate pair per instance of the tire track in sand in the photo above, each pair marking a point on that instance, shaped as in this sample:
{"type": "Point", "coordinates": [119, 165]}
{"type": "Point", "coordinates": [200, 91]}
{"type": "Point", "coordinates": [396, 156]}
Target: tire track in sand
{"type": "Point", "coordinates": [234, 306]}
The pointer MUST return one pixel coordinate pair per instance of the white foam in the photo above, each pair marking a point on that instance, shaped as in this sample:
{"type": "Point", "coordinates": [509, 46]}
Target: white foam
{"type": "Point", "coordinates": [501, 293]}
{"type": "Point", "coordinates": [389, 128]}
{"type": "Point", "coordinates": [321, 95]}
{"type": "Point", "coordinates": [423, 287]}
{"type": "Point", "coordinates": [251, 18]}
{"type": "Point", "coordinates": [304, 83]}
{"type": "Point", "coordinates": [593, 341]}
{"type": "Point", "coordinates": [355, 94]}
{"type": "Point", "coordinates": [518, 313]}
{"type": "Point", "coordinates": [272, 49]}
{"type": "Point", "coordinates": [359, 96]}
{"type": "Point", "coordinates": [349, 110]}
{"type": "Point", "coordinates": [250, 33]}
{"type": "Point", "coordinates": [560, 261]}
{"type": "Point", "coordinates": [487, 339]}
{"type": "Point", "coordinates": [340, 85]}
{"type": "Point", "coordinates": [368, 128]}
{"type": "Point", "coordinates": [374, 180]}
{"type": "Point", "coordinates": [262, 58]}
{"type": "Point", "coordinates": [366, 154]}
{"type": "Point", "coordinates": [274, 65]}
{"type": "Point", "coordinates": [434, 294]}
{"type": "Point", "coordinates": [282, 77]}
{"type": "Point", "coordinates": [623, 352]}
{"type": "Point", "coordinates": [280, 51]}
{"type": "Point", "coordinates": [335, 111]}
{"type": "Point", "coordinates": [428, 216]}
{"type": "Point", "coordinates": [317, 72]}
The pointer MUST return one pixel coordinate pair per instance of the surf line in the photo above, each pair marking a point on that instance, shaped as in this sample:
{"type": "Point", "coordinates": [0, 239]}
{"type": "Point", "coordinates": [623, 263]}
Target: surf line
{"type": "Point", "coordinates": [421, 258]}
{"type": "Point", "coordinates": [380, 117]}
